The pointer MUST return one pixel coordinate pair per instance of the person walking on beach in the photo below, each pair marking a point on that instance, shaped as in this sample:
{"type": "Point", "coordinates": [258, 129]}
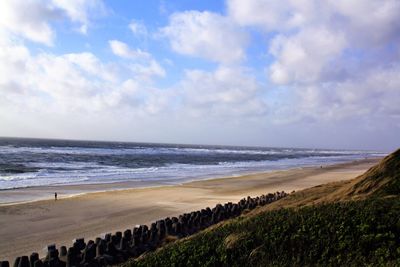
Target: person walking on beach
{"type": "Point", "coordinates": [55, 196]}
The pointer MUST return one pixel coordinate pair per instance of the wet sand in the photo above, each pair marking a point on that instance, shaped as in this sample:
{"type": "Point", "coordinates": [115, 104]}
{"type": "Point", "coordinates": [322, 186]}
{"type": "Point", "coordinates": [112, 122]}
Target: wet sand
{"type": "Point", "coordinates": [31, 226]}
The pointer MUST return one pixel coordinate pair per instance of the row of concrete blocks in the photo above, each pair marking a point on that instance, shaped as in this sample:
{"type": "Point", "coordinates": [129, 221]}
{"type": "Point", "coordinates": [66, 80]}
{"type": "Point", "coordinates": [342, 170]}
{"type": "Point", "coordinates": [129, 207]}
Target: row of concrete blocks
{"type": "Point", "coordinates": [117, 248]}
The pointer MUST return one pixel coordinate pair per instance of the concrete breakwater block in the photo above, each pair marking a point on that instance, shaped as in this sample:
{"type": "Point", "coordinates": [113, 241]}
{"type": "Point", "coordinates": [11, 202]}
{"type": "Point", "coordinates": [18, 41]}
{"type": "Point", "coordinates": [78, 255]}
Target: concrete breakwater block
{"type": "Point", "coordinates": [118, 247]}
{"type": "Point", "coordinates": [24, 262]}
{"type": "Point", "coordinates": [16, 262]}
{"type": "Point", "coordinates": [33, 258]}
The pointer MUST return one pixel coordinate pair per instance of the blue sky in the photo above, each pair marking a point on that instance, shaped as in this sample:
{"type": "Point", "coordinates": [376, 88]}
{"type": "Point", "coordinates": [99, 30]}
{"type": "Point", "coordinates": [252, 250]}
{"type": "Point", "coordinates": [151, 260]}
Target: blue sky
{"type": "Point", "coordinates": [257, 72]}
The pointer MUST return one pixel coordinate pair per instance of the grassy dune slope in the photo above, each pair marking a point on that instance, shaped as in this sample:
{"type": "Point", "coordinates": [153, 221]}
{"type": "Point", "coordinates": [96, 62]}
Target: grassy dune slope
{"type": "Point", "coordinates": [381, 180]}
{"type": "Point", "coordinates": [355, 223]}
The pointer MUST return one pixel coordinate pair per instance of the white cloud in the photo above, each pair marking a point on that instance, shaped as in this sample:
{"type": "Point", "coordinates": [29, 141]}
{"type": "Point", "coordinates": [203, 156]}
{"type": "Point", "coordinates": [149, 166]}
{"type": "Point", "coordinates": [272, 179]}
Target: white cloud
{"type": "Point", "coordinates": [80, 11]}
{"type": "Point", "coordinates": [375, 20]}
{"type": "Point", "coordinates": [372, 22]}
{"type": "Point", "coordinates": [32, 19]}
{"type": "Point", "coordinates": [365, 99]}
{"type": "Point", "coordinates": [32, 25]}
{"type": "Point", "coordinates": [138, 28]}
{"type": "Point", "coordinates": [271, 15]}
{"type": "Point", "coordinates": [121, 49]}
{"type": "Point", "coordinates": [333, 60]}
{"type": "Point", "coordinates": [67, 83]}
{"type": "Point", "coordinates": [92, 65]}
{"type": "Point", "coordinates": [146, 72]}
{"type": "Point", "coordinates": [305, 57]}
{"type": "Point", "coordinates": [207, 35]}
{"type": "Point", "coordinates": [330, 63]}
{"type": "Point", "coordinates": [144, 66]}
{"type": "Point", "coordinates": [320, 32]}
{"type": "Point", "coordinates": [226, 92]}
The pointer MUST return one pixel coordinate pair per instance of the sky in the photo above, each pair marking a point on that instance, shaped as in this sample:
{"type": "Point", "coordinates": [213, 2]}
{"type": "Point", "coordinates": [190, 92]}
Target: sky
{"type": "Point", "coordinates": [282, 73]}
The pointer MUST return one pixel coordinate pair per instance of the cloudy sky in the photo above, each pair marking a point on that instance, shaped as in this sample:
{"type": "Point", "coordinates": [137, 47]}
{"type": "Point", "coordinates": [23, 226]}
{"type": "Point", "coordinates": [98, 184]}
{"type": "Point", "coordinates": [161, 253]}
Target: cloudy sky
{"type": "Point", "coordinates": [303, 73]}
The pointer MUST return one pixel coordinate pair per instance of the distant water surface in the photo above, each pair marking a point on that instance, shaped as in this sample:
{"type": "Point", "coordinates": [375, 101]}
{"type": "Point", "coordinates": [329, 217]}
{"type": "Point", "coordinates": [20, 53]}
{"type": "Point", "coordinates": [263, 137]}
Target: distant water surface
{"type": "Point", "coordinates": [34, 162]}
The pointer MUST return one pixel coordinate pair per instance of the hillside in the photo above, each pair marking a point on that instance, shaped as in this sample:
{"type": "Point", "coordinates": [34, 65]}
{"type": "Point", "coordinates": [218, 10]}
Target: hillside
{"type": "Point", "coordinates": [355, 233]}
{"type": "Point", "coordinates": [382, 179]}
{"type": "Point", "coordinates": [352, 223]}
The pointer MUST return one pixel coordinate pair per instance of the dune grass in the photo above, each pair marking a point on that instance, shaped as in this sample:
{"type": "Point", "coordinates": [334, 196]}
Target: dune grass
{"type": "Point", "coordinates": [354, 233]}
{"type": "Point", "coordinates": [352, 223]}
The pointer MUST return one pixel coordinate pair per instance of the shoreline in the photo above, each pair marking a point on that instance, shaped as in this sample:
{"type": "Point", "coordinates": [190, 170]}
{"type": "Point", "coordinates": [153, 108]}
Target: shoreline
{"type": "Point", "coordinates": [28, 227]}
{"type": "Point", "coordinates": [33, 194]}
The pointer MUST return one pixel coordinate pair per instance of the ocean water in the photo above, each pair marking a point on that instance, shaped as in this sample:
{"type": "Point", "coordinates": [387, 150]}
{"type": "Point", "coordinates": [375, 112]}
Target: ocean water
{"type": "Point", "coordinates": [38, 162]}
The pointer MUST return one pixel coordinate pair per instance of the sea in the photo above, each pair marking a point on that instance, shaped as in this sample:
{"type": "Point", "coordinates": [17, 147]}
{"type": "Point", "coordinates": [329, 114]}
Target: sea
{"type": "Point", "coordinates": [40, 162]}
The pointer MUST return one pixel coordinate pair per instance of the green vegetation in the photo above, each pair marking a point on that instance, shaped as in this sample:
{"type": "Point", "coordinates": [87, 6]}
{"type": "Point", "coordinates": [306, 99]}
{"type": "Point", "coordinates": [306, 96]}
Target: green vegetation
{"type": "Point", "coordinates": [358, 224]}
{"type": "Point", "coordinates": [355, 233]}
{"type": "Point", "coordinates": [381, 180]}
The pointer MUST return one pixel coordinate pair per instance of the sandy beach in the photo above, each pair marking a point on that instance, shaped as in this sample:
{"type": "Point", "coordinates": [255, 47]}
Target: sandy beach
{"type": "Point", "coordinates": [31, 226]}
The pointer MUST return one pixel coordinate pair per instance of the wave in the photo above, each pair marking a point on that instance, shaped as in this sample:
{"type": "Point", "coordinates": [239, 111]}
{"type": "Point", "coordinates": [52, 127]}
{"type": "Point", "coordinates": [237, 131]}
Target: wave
{"type": "Point", "coordinates": [26, 162]}
{"type": "Point", "coordinates": [170, 150]}
{"type": "Point", "coordinates": [91, 173]}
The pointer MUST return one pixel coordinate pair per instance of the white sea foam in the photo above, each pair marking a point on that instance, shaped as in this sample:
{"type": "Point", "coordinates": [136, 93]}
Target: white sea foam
{"type": "Point", "coordinates": [87, 173]}
{"type": "Point", "coordinates": [53, 163]}
{"type": "Point", "coordinates": [167, 150]}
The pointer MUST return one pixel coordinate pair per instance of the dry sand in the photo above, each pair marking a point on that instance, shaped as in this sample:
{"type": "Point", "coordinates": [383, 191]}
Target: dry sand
{"type": "Point", "coordinates": [28, 227]}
